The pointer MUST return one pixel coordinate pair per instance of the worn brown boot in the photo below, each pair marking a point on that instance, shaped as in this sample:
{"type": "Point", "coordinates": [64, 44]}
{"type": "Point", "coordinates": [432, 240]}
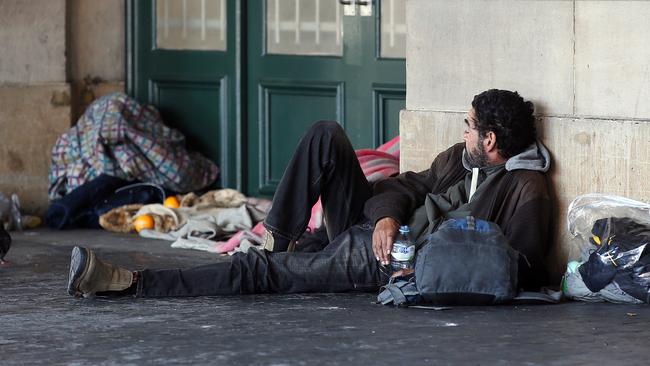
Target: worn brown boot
{"type": "Point", "coordinates": [89, 275]}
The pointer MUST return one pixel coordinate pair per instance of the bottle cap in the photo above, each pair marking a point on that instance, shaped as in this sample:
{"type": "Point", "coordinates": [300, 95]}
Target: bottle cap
{"type": "Point", "coordinates": [404, 229]}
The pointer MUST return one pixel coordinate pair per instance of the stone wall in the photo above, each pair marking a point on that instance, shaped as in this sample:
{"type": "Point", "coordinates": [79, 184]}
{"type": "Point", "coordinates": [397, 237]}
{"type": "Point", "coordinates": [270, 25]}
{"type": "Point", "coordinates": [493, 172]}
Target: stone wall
{"type": "Point", "coordinates": [585, 65]}
{"type": "Point", "coordinates": [48, 48]}
{"type": "Point", "coordinates": [96, 46]}
{"type": "Point", "coordinates": [34, 95]}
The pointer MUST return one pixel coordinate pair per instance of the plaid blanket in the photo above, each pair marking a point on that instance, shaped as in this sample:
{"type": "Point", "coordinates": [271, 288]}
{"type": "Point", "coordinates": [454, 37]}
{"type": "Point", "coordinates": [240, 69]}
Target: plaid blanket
{"type": "Point", "coordinates": [119, 137]}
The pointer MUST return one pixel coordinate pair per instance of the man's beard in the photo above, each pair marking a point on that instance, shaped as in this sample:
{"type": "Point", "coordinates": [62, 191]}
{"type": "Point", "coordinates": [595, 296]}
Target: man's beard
{"type": "Point", "coordinates": [477, 157]}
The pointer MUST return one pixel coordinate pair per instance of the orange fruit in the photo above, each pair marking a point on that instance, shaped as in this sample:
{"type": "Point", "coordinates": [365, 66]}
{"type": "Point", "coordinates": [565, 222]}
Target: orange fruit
{"type": "Point", "coordinates": [143, 222]}
{"type": "Point", "coordinates": [172, 202]}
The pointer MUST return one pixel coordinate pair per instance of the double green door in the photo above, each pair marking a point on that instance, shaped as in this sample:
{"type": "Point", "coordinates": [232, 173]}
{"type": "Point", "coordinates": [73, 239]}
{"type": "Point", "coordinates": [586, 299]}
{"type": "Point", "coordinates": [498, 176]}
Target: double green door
{"type": "Point", "coordinates": [244, 79]}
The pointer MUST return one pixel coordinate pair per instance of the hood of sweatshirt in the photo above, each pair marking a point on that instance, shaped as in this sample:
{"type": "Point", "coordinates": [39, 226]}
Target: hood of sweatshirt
{"type": "Point", "coordinates": [535, 157]}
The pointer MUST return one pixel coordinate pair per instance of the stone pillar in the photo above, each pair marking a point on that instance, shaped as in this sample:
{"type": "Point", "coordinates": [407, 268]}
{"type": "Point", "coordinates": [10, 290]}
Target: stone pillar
{"type": "Point", "coordinates": [96, 47]}
{"type": "Point", "coordinates": [34, 95]}
{"type": "Point", "coordinates": [57, 56]}
{"type": "Point", "coordinates": [583, 63]}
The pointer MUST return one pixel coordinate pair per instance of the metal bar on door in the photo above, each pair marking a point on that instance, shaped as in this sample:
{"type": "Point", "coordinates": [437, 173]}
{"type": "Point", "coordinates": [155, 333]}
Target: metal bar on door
{"type": "Point", "coordinates": [222, 33]}
{"type": "Point", "coordinates": [277, 21]}
{"type": "Point", "coordinates": [317, 16]}
{"type": "Point", "coordinates": [202, 20]}
{"type": "Point", "coordinates": [184, 19]}
{"type": "Point", "coordinates": [338, 24]}
{"type": "Point", "coordinates": [166, 18]}
{"type": "Point", "coordinates": [392, 23]}
{"type": "Point", "coordinates": [297, 23]}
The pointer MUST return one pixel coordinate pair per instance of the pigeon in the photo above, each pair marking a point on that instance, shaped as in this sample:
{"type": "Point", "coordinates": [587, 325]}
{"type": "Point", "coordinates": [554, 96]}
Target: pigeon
{"type": "Point", "coordinates": [5, 243]}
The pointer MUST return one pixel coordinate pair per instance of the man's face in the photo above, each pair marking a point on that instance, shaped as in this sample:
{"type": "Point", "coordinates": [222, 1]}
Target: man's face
{"type": "Point", "coordinates": [477, 157]}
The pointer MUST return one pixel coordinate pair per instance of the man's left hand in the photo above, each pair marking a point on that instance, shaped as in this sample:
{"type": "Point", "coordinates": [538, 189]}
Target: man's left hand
{"type": "Point", "coordinates": [383, 237]}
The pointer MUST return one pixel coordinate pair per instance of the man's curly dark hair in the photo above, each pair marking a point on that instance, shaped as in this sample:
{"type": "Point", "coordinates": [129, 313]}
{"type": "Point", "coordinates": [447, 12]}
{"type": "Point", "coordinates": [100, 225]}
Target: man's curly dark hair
{"type": "Point", "coordinates": [509, 116]}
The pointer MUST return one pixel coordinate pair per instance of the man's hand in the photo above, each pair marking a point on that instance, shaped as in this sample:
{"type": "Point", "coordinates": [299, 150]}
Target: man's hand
{"type": "Point", "coordinates": [383, 237]}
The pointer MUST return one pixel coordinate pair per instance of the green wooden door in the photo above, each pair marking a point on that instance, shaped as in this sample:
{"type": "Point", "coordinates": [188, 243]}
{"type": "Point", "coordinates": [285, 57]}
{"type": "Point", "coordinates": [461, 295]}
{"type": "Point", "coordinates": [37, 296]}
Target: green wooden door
{"type": "Point", "coordinates": [224, 76]}
{"type": "Point", "coordinates": [309, 61]}
{"type": "Point", "coordinates": [183, 57]}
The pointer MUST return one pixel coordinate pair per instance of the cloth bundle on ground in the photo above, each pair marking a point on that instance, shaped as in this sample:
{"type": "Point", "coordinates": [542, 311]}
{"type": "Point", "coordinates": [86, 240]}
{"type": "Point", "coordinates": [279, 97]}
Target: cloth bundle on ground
{"type": "Point", "coordinates": [119, 137]}
{"type": "Point", "coordinates": [376, 164]}
{"type": "Point", "coordinates": [200, 221]}
{"type": "Point", "coordinates": [615, 263]}
{"type": "Point", "coordinates": [82, 207]}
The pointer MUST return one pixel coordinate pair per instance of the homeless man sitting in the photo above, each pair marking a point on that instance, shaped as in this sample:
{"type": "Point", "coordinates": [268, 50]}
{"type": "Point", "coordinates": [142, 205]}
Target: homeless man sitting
{"type": "Point", "coordinates": [361, 220]}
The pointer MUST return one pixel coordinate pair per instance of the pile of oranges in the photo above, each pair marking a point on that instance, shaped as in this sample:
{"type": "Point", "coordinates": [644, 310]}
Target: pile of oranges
{"type": "Point", "coordinates": [146, 222]}
{"type": "Point", "coordinates": [172, 202]}
{"type": "Point", "coordinates": [143, 222]}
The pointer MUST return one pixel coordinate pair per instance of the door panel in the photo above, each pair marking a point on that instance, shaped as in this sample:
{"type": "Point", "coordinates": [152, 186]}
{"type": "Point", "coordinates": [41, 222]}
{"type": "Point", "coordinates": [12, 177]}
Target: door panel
{"type": "Point", "coordinates": [186, 64]}
{"type": "Point", "coordinates": [286, 111]}
{"type": "Point", "coordinates": [192, 117]}
{"type": "Point", "coordinates": [389, 101]}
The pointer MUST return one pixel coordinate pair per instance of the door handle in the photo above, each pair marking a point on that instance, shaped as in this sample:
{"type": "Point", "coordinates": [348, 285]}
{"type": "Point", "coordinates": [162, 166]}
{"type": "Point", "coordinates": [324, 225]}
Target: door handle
{"type": "Point", "coordinates": [350, 7]}
{"type": "Point", "coordinates": [352, 2]}
{"type": "Point", "coordinates": [365, 8]}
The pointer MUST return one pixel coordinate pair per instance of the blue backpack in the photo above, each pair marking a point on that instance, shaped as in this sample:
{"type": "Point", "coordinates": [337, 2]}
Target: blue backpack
{"type": "Point", "coordinates": [465, 262]}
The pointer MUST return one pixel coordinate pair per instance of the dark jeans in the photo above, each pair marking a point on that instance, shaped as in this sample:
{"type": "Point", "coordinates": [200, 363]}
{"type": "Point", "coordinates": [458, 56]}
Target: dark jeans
{"type": "Point", "coordinates": [346, 264]}
{"type": "Point", "coordinates": [324, 164]}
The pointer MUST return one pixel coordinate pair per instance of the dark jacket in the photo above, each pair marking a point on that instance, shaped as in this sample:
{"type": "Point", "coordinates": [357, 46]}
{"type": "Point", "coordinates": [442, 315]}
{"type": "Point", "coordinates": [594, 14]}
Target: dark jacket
{"type": "Point", "coordinates": [514, 195]}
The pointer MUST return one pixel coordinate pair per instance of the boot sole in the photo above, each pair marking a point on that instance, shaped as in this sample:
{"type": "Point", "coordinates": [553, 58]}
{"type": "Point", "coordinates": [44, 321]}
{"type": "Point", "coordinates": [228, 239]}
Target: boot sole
{"type": "Point", "coordinates": [78, 269]}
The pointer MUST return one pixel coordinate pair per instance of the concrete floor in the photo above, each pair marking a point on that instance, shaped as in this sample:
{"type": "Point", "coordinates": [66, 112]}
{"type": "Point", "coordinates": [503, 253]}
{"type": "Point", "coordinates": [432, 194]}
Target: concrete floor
{"type": "Point", "coordinates": [41, 324]}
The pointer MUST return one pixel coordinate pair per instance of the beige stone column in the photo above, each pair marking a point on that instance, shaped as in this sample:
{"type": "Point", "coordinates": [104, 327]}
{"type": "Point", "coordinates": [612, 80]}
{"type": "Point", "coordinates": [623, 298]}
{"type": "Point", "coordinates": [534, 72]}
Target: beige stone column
{"type": "Point", "coordinates": [56, 56]}
{"type": "Point", "coordinates": [34, 95]}
{"type": "Point", "coordinates": [585, 65]}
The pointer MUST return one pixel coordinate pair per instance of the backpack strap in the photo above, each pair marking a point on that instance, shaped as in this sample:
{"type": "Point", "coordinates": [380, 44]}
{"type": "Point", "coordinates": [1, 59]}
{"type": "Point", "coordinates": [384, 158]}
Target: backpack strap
{"type": "Point", "coordinates": [399, 293]}
{"type": "Point", "coordinates": [396, 294]}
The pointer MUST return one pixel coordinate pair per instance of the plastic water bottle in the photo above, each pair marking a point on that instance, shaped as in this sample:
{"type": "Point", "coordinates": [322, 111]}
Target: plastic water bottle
{"type": "Point", "coordinates": [403, 253]}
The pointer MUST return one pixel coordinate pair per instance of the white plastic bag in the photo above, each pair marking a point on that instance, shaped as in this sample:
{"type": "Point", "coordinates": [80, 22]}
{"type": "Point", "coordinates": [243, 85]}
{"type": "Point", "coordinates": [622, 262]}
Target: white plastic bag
{"type": "Point", "coordinates": [613, 234]}
{"type": "Point", "coordinates": [586, 209]}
